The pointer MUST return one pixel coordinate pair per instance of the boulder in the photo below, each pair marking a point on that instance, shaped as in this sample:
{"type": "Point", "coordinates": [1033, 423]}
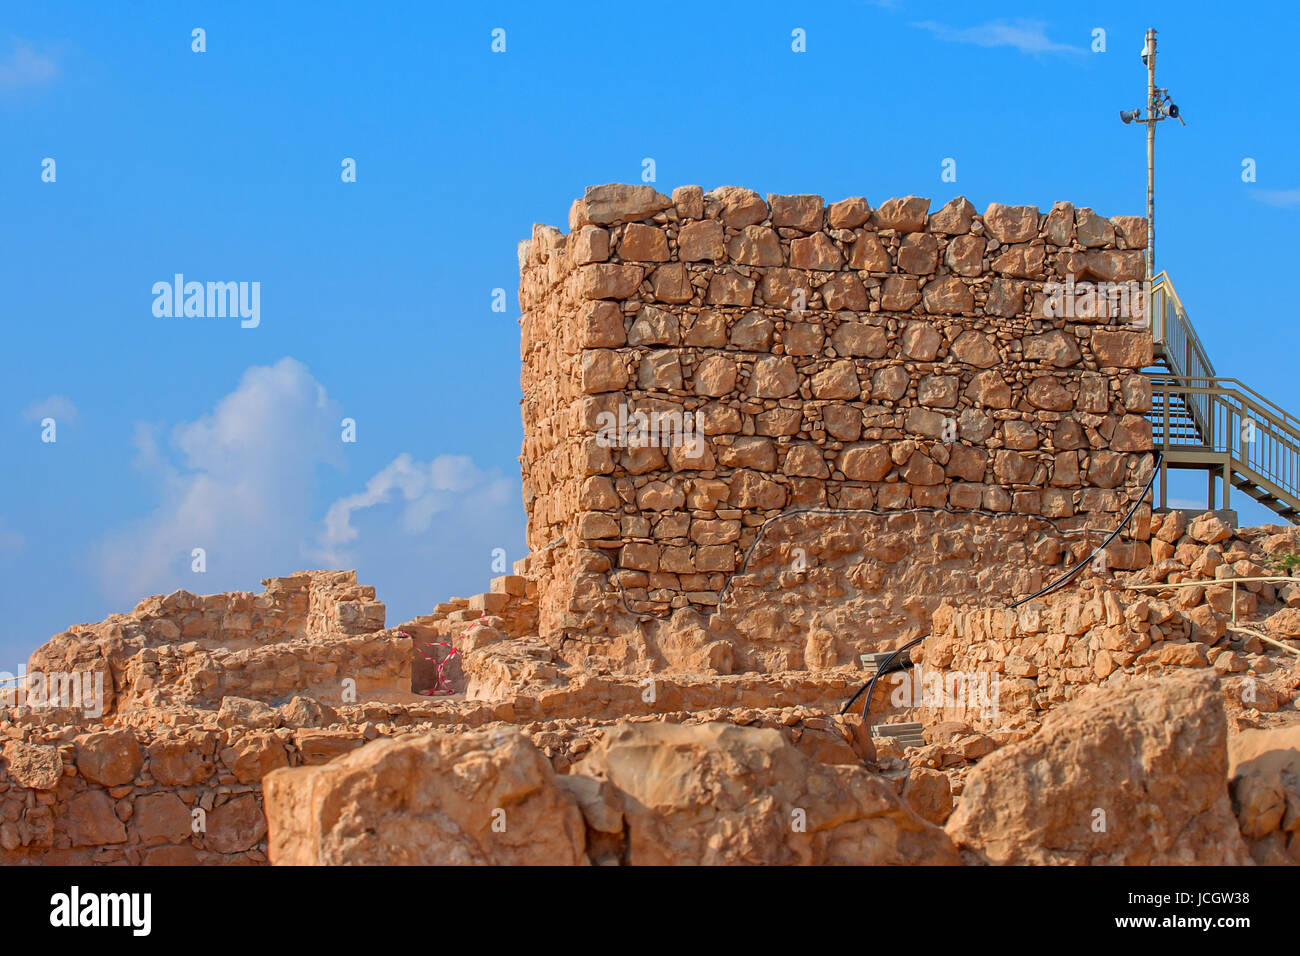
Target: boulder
{"type": "Point", "coordinates": [907, 214]}
{"type": "Point", "coordinates": [1131, 774]}
{"type": "Point", "coordinates": [717, 793]}
{"type": "Point", "coordinates": [484, 797]}
{"type": "Point", "coordinates": [251, 756]}
{"type": "Point", "coordinates": [242, 712]}
{"type": "Point", "coordinates": [161, 818]}
{"type": "Point", "coordinates": [1209, 528]}
{"type": "Point", "coordinates": [109, 758]}
{"type": "Point", "coordinates": [1264, 772]}
{"type": "Point", "coordinates": [620, 202]}
{"type": "Point", "coordinates": [739, 207]}
{"type": "Point", "coordinates": [307, 712]}
{"type": "Point", "coordinates": [236, 825]}
{"type": "Point", "coordinates": [89, 820]}
{"type": "Point", "coordinates": [929, 794]}
{"type": "Point", "coordinates": [183, 760]}
{"type": "Point", "coordinates": [1284, 624]}
{"type": "Point", "coordinates": [1009, 224]}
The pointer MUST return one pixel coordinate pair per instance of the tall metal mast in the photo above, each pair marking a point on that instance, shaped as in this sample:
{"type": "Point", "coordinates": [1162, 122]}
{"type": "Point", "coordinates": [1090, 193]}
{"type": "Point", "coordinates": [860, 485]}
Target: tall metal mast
{"type": "Point", "coordinates": [1159, 107]}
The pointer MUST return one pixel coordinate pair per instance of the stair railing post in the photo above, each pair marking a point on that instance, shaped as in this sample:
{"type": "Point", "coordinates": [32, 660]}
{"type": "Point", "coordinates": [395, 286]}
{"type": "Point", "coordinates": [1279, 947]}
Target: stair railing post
{"type": "Point", "coordinates": [1165, 402]}
{"type": "Point", "coordinates": [1230, 445]}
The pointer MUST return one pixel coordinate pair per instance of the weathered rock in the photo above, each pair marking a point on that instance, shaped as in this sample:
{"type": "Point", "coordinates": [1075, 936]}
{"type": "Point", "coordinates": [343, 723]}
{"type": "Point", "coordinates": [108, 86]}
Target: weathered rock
{"type": "Point", "coordinates": [161, 818]}
{"type": "Point", "coordinates": [1009, 224]}
{"type": "Point", "coordinates": [907, 214]}
{"type": "Point", "coordinates": [740, 207]}
{"type": "Point", "coordinates": [797, 212]}
{"type": "Point", "coordinates": [848, 213]}
{"type": "Point", "coordinates": [1209, 529]}
{"type": "Point", "coordinates": [252, 756]}
{"type": "Point", "coordinates": [718, 794]}
{"type": "Point", "coordinates": [1132, 774]}
{"type": "Point", "coordinates": [481, 797]}
{"type": "Point", "coordinates": [1265, 784]}
{"type": "Point", "coordinates": [33, 765]}
{"type": "Point", "coordinates": [236, 825]}
{"type": "Point", "coordinates": [929, 794]}
{"type": "Point", "coordinates": [183, 760]}
{"type": "Point", "coordinates": [307, 712]}
{"type": "Point", "coordinates": [619, 202]}
{"type": "Point", "coordinates": [109, 758]}
{"type": "Point", "coordinates": [954, 218]}
{"type": "Point", "coordinates": [90, 821]}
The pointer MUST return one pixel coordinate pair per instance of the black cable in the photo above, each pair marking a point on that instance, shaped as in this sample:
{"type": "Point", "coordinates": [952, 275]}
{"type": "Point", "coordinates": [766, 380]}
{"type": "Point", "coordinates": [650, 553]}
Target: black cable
{"type": "Point", "coordinates": [1069, 575]}
{"type": "Point", "coordinates": [881, 668]}
{"type": "Point", "coordinates": [870, 686]}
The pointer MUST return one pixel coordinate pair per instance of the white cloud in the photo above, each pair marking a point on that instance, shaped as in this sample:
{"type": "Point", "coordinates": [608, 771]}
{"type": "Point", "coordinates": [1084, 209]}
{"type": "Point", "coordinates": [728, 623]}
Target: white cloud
{"type": "Point", "coordinates": [421, 532]}
{"type": "Point", "coordinates": [26, 67]}
{"type": "Point", "coordinates": [1281, 198]}
{"type": "Point", "coordinates": [427, 488]}
{"type": "Point", "coordinates": [239, 483]}
{"type": "Point", "coordinates": [1027, 36]}
{"type": "Point", "coordinates": [240, 487]}
{"type": "Point", "coordinates": [59, 407]}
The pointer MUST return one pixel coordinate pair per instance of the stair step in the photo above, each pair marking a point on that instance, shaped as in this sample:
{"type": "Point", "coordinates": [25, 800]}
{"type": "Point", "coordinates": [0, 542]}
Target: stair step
{"type": "Point", "coordinates": [896, 730]}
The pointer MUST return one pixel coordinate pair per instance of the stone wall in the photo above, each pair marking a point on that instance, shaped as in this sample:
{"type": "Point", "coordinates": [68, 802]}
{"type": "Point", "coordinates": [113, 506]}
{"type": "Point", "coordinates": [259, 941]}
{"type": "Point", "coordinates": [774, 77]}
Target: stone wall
{"type": "Point", "coordinates": [1046, 652]}
{"type": "Point", "coordinates": [202, 696]}
{"type": "Point", "coordinates": [161, 785]}
{"type": "Point", "coordinates": [853, 359]}
{"type": "Point", "coordinates": [166, 797]}
{"type": "Point", "coordinates": [306, 632]}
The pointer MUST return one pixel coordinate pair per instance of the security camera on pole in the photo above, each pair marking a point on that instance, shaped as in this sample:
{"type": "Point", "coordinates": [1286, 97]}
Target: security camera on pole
{"type": "Point", "coordinates": [1159, 107]}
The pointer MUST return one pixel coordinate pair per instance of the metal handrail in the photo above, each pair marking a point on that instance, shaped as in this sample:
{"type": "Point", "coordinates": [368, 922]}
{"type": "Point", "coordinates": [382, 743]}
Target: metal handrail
{"type": "Point", "coordinates": [1267, 452]}
{"type": "Point", "coordinates": [1280, 419]}
{"type": "Point", "coordinates": [1199, 364]}
{"type": "Point", "coordinates": [1181, 346]}
{"type": "Point", "coordinates": [1236, 385]}
{"type": "Point", "coordinates": [1270, 448]}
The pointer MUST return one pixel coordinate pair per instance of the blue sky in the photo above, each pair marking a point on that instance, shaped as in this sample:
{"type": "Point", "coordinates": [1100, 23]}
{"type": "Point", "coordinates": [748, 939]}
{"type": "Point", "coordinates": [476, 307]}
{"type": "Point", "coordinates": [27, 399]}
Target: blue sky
{"type": "Point", "coordinates": [177, 433]}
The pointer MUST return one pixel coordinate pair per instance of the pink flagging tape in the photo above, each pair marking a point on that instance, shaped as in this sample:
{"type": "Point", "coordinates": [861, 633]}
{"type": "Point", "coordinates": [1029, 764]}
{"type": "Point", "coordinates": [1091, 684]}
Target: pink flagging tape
{"type": "Point", "coordinates": [442, 683]}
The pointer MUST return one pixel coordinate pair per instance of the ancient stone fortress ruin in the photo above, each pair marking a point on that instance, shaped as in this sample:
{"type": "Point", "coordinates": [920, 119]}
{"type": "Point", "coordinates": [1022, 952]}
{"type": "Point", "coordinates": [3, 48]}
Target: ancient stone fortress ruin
{"type": "Point", "coordinates": [762, 438]}
{"type": "Point", "coordinates": [868, 386]}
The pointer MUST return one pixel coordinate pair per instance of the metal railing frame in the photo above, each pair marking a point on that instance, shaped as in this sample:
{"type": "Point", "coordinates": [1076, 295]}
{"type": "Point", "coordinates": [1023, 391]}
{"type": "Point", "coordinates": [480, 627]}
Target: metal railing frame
{"type": "Point", "coordinates": [1217, 407]}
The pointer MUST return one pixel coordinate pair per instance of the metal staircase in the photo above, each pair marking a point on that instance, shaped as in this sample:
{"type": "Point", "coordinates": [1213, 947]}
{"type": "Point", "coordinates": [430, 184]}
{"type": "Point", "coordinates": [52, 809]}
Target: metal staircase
{"type": "Point", "coordinates": [1218, 425]}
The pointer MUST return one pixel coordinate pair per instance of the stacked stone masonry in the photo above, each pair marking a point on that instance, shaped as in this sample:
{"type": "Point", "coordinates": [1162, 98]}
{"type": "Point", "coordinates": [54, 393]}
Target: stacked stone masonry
{"type": "Point", "coordinates": [838, 357]}
{"type": "Point", "coordinates": [307, 632]}
{"type": "Point", "coordinates": [1046, 652]}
